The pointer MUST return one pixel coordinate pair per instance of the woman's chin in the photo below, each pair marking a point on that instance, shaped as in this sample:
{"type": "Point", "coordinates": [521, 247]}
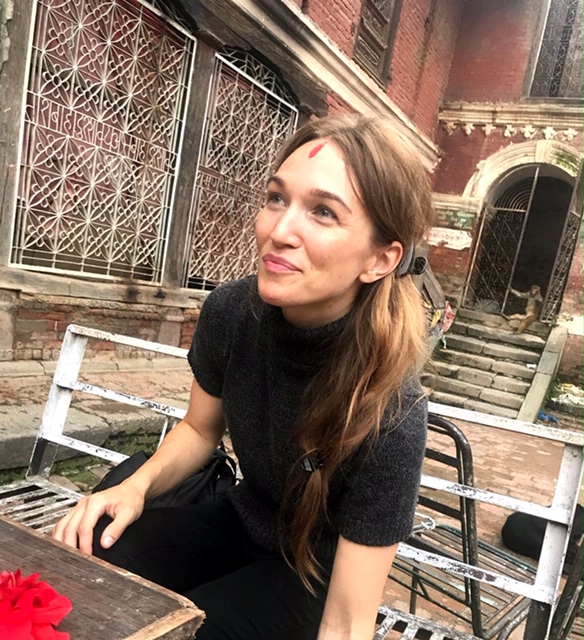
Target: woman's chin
{"type": "Point", "coordinates": [270, 293]}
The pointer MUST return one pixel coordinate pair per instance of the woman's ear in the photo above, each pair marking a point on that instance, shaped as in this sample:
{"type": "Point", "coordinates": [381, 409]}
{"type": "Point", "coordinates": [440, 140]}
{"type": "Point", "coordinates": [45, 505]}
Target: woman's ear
{"type": "Point", "coordinates": [383, 263]}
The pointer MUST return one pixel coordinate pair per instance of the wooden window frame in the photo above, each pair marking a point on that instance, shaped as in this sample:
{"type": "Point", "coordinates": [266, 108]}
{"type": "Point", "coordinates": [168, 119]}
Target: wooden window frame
{"type": "Point", "coordinates": [383, 46]}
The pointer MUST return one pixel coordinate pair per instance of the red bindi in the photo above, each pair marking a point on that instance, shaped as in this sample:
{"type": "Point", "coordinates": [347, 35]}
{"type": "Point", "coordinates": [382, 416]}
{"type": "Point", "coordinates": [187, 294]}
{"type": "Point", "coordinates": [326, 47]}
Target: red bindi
{"type": "Point", "coordinates": [316, 149]}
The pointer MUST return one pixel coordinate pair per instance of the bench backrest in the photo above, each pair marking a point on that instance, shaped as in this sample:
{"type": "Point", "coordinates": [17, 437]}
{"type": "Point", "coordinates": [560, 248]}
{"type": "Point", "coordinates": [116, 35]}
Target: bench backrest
{"type": "Point", "coordinates": [66, 381]}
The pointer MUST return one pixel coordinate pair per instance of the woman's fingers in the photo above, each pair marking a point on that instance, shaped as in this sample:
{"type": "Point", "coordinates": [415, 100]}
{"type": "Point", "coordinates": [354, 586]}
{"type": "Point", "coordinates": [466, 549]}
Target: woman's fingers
{"type": "Point", "coordinates": [76, 528]}
{"type": "Point", "coordinates": [125, 516]}
{"type": "Point", "coordinates": [66, 529]}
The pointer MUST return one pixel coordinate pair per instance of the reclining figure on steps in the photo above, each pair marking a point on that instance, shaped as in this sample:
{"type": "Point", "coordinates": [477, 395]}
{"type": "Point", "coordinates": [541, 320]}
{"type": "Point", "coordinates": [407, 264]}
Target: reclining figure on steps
{"type": "Point", "coordinates": [532, 307]}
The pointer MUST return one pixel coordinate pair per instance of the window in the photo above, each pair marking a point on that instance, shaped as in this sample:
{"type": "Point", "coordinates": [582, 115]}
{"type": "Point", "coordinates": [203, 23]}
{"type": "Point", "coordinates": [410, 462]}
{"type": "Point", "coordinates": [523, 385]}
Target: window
{"type": "Point", "coordinates": [376, 34]}
{"type": "Point", "coordinates": [558, 72]}
{"type": "Point", "coordinates": [103, 123]}
{"type": "Point", "coordinates": [249, 115]}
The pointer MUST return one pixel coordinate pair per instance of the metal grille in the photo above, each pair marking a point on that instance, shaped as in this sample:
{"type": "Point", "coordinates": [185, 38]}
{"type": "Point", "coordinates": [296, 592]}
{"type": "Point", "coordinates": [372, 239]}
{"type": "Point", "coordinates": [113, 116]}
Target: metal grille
{"type": "Point", "coordinates": [248, 117]}
{"type": "Point", "coordinates": [557, 283]}
{"type": "Point", "coordinates": [498, 246]}
{"type": "Point", "coordinates": [103, 124]}
{"type": "Point", "coordinates": [558, 73]}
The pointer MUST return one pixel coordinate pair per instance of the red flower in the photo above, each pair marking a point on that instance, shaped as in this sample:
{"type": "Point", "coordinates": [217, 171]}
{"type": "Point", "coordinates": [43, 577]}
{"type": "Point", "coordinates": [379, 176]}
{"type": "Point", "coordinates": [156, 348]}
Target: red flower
{"type": "Point", "coordinates": [29, 608]}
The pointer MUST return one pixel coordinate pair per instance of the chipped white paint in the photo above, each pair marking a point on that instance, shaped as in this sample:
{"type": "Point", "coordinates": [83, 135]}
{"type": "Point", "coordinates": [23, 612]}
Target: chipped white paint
{"type": "Point", "coordinates": [541, 594]}
{"type": "Point", "coordinates": [508, 424]}
{"type": "Point", "coordinates": [506, 502]}
{"type": "Point", "coordinates": [127, 340]}
{"type": "Point", "coordinates": [124, 398]}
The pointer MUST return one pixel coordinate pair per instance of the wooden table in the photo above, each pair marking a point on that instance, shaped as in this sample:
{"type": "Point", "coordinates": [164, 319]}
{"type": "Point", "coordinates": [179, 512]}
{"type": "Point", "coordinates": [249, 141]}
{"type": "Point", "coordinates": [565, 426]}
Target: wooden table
{"type": "Point", "coordinates": [108, 602]}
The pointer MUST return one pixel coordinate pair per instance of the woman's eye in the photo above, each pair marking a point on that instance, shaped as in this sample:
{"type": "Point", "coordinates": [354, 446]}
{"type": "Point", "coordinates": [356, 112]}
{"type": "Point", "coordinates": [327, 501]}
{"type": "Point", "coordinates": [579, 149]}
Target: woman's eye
{"type": "Point", "coordinates": [274, 198]}
{"type": "Point", "coordinates": [326, 213]}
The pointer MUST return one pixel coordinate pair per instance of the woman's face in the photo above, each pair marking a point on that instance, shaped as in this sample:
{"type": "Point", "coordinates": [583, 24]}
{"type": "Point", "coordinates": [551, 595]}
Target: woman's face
{"type": "Point", "coordinates": [314, 238]}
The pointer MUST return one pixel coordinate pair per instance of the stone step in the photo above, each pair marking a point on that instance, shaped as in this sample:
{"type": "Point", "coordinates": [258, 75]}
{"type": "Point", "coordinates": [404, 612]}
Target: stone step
{"type": "Point", "coordinates": [490, 334]}
{"type": "Point", "coordinates": [509, 396]}
{"type": "Point", "coordinates": [498, 321]}
{"type": "Point", "coordinates": [456, 387]}
{"type": "Point", "coordinates": [465, 359]}
{"type": "Point", "coordinates": [502, 398]}
{"type": "Point", "coordinates": [454, 400]}
{"type": "Point", "coordinates": [452, 359]}
{"type": "Point", "coordinates": [522, 371]}
{"type": "Point", "coordinates": [511, 354]}
{"type": "Point", "coordinates": [469, 344]}
{"type": "Point", "coordinates": [443, 369]}
{"type": "Point", "coordinates": [479, 317]}
{"type": "Point", "coordinates": [486, 407]}
{"type": "Point", "coordinates": [474, 378]}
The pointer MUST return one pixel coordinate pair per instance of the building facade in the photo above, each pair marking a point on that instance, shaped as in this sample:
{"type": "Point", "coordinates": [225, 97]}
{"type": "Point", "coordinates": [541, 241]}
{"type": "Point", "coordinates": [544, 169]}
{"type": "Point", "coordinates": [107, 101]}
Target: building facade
{"type": "Point", "coordinates": [137, 136]}
{"type": "Point", "coordinates": [509, 183]}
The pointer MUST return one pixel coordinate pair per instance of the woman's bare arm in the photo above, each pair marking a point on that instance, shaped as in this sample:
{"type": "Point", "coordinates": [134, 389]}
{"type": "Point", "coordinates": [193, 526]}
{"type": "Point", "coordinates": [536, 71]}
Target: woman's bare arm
{"type": "Point", "coordinates": [355, 591]}
{"type": "Point", "coordinates": [185, 449]}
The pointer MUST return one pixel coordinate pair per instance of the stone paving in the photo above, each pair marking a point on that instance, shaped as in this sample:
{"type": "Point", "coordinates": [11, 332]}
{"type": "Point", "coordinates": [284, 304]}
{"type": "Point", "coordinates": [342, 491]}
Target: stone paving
{"type": "Point", "coordinates": [509, 463]}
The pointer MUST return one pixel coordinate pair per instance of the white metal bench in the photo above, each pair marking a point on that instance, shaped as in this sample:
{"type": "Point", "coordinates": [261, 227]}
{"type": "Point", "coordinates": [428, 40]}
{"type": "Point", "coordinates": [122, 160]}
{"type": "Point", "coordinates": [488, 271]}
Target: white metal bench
{"type": "Point", "coordinates": [39, 503]}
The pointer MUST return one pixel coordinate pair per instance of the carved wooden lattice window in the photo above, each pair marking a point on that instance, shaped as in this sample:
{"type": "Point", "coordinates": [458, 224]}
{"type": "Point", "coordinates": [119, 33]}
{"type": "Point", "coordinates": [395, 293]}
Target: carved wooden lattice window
{"type": "Point", "coordinates": [558, 73]}
{"type": "Point", "coordinates": [376, 34]}
{"type": "Point", "coordinates": [103, 123]}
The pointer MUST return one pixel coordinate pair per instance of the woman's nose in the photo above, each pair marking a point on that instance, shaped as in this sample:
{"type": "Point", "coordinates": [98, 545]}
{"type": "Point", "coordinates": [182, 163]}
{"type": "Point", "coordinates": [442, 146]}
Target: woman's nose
{"type": "Point", "coordinates": [286, 229]}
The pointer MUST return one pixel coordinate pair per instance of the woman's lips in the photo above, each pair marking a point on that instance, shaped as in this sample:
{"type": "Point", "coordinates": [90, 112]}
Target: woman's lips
{"type": "Point", "coordinates": [275, 264]}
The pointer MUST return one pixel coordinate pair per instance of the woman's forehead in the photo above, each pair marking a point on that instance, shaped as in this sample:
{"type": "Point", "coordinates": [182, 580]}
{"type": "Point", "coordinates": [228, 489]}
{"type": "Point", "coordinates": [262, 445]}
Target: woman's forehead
{"type": "Point", "coordinates": [320, 158]}
{"type": "Point", "coordinates": [320, 166]}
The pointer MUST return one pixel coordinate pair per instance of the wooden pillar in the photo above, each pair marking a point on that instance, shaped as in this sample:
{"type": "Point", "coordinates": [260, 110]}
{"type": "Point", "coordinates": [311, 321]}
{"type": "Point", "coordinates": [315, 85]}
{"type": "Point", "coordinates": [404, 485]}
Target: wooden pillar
{"type": "Point", "coordinates": [16, 17]}
{"type": "Point", "coordinates": [181, 222]}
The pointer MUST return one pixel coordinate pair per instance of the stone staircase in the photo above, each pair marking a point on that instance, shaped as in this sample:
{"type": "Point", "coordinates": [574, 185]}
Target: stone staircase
{"type": "Point", "coordinates": [488, 367]}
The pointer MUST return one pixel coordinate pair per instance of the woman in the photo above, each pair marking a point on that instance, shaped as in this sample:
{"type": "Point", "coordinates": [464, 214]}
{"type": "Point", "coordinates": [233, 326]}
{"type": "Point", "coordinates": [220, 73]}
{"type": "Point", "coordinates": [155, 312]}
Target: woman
{"type": "Point", "coordinates": [311, 366]}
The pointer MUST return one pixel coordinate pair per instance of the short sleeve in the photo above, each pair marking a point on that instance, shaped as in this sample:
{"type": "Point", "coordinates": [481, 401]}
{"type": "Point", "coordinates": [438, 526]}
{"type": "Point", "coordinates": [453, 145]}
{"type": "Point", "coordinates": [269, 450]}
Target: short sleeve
{"type": "Point", "coordinates": [378, 504]}
{"type": "Point", "coordinates": [208, 353]}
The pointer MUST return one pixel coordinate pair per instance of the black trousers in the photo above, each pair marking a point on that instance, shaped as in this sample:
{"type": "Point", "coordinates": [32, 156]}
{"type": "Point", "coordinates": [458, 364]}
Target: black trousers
{"type": "Point", "coordinates": [203, 552]}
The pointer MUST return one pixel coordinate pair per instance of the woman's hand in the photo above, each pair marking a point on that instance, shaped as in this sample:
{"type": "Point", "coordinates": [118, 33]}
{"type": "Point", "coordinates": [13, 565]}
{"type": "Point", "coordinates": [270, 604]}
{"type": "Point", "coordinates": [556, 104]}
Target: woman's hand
{"type": "Point", "coordinates": [123, 503]}
{"type": "Point", "coordinates": [186, 449]}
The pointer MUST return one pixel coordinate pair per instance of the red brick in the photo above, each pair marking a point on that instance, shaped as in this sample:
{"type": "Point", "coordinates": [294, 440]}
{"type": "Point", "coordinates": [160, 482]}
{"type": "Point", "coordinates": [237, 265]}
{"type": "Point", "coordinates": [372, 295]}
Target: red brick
{"type": "Point", "coordinates": [493, 51]}
{"type": "Point", "coordinates": [422, 56]}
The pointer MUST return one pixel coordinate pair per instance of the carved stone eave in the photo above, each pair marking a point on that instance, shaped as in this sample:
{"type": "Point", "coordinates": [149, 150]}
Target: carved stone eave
{"type": "Point", "coordinates": [451, 201]}
{"type": "Point", "coordinates": [518, 117]}
{"type": "Point", "coordinates": [279, 30]}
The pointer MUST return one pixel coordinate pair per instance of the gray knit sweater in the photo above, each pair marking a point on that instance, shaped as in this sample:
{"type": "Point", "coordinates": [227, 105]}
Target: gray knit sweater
{"type": "Point", "coordinates": [245, 352]}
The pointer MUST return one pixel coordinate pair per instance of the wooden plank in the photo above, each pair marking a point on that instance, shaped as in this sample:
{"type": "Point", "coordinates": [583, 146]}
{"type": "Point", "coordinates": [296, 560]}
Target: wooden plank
{"type": "Point", "coordinates": [107, 601]}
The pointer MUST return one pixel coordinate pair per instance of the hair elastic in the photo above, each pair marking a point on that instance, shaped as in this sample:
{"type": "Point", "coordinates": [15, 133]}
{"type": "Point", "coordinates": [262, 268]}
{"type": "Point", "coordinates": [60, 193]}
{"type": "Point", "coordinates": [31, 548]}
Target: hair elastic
{"type": "Point", "coordinates": [311, 461]}
{"type": "Point", "coordinates": [410, 265]}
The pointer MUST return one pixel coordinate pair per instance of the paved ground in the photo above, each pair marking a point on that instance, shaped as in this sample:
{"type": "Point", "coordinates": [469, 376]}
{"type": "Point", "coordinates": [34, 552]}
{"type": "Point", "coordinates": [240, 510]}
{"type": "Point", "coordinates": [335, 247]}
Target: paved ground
{"type": "Point", "coordinates": [503, 462]}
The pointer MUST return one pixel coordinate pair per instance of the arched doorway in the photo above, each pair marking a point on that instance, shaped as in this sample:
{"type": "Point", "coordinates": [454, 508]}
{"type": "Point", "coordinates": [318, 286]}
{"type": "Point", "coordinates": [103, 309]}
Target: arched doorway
{"type": "Point", "coordinates": [526, 237]}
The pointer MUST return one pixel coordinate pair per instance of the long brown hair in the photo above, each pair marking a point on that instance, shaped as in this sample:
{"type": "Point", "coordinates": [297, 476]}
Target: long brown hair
{"type": "Point", "coordinates": [383, 340]}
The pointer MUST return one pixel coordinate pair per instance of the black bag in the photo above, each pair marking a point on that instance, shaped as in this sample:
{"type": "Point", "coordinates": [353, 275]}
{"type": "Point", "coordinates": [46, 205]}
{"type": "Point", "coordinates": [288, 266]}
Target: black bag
{"type": "Point", "coordinates": [206, 485]}
{"type": "Point", "coordinates": [524, 533]}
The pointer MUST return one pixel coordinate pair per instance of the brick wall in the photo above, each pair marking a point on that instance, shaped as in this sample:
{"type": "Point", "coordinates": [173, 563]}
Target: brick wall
{"type": "Point", "coordinates": [570, 369]}
{"type": "Point", "coordinates": [493, 50]}
{"type": "Point", "coordinates": [424, 47]}
{"type": "Point", "coordinates": [338, 19]}
{"type": "Point", "coordinates": [461, 155]}
{"type": "Point", "coordinates": [450, 268]}
{"type": "Point", "coordinates": [336, 105]}
{"type": "Point", "coordinates": [34, 326]}
{"type": "Point", "coordinates": [422, 56]}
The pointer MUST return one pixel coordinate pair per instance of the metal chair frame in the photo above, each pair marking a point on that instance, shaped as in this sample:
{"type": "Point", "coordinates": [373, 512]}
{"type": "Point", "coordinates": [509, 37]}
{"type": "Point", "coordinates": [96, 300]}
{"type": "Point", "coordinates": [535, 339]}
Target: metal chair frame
{"type": "Point", "coordinates": [544, 591]}
{"type": "Point", "coordinates": [485, 608]}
